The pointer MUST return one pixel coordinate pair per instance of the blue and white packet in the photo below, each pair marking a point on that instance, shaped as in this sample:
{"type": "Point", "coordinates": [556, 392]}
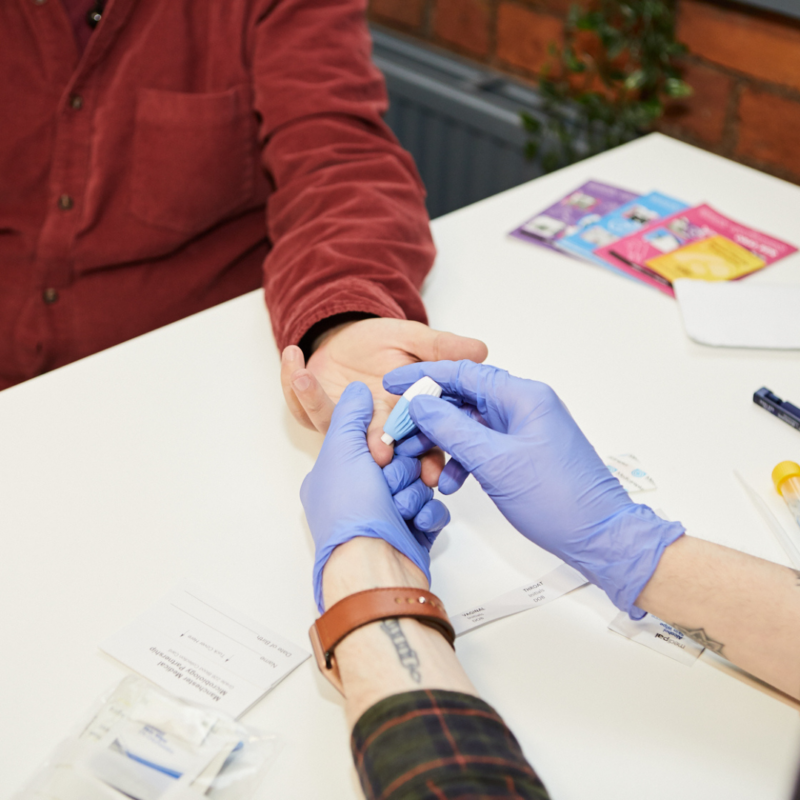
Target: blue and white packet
{"type": "Point", "coordinates": [617, 224]}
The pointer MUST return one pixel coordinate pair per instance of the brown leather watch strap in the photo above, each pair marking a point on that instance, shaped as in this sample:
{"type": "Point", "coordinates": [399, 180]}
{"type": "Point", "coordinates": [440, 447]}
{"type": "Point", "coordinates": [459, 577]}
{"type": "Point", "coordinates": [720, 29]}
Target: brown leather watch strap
{"type": "Point", "coordinates": [373, 605]}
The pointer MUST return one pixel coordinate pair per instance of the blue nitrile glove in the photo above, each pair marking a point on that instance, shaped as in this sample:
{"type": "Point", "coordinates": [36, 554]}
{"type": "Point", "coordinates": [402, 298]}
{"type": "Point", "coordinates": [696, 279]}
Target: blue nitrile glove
{"type": "Point", "coordinates": [520, 442]}
{"type": "Point", "coordinates": [347, 494]}
{"type": "Point", "coordinates": [424, 516]}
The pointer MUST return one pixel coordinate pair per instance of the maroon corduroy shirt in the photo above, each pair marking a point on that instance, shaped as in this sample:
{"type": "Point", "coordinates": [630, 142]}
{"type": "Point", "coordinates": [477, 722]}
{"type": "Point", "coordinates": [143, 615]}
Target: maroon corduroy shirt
{"type": "Point", "coordinates": [193, 151]}
{"type": "Point", "coordinates": [78, 12]}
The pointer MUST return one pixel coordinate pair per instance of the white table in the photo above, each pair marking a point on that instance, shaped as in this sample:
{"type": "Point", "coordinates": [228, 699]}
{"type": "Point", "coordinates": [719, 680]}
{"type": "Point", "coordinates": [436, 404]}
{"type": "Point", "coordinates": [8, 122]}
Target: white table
{"type": "Point", "coordinates": [172, 456]}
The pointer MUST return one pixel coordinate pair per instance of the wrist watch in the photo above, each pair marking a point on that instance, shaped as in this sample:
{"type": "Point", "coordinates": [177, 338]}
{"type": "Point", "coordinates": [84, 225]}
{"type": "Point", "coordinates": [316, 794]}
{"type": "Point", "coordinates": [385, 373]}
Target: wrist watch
{"type": "Point", "coordinates": [373, 605]}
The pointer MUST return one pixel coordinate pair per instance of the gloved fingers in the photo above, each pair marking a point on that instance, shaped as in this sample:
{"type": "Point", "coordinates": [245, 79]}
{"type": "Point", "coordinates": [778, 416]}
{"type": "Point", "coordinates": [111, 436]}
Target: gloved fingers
{"type": "Point", "coordinates": [452, 477]}
{"type": "Point", "coordinates": [465, 379]}
{"type": "Point", "coordinates": [411, 500]}
{"type": "Point", "coordinates": [473, 413]}
{"type": "Point", "coordinates": [424, 539]}
{"type": "Point", "coordinates": [414, 446]}
{"type": "Point", "coordinates": [401, 472]}
{"type": "Point", "coordinates": [345, 439]}
{"type": "Point", "coordinates": [418, 443]}
{"type": "Point", "coordinates": [430, 528]}
{"type": "Point", "coordinates": [353, 412]}
{"type": "Point", "coordinates": [433, 517]}
{"type": "Point", "coordinates": [469, 442]}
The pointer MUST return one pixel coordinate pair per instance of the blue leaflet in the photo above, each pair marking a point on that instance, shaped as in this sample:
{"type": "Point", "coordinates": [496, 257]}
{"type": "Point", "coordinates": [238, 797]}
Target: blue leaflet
{"type": "Point", "coordinates": [619, 223]}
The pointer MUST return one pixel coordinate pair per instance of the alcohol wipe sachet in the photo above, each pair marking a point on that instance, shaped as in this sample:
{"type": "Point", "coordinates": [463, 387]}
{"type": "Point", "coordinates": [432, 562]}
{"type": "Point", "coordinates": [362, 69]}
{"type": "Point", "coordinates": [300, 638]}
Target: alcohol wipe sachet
{"type": "Point", "coordinates": [141, 743]}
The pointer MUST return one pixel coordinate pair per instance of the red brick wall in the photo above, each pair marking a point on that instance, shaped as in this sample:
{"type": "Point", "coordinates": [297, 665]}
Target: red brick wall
{"type": "Point", "coordinates": [744, 65]}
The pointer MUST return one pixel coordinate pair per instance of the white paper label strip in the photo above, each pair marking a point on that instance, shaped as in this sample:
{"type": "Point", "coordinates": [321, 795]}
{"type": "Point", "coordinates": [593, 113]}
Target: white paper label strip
{"type": "Point", "coordinates": [657, 635]}
{"type": "Point", "coordinates": [630, 473]}
{"type": "Point", "coordinates": [537, 593]}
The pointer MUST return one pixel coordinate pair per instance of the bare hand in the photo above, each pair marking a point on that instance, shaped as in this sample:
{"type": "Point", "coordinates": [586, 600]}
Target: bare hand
{"type": "Point", "coordinates": [366, 350]}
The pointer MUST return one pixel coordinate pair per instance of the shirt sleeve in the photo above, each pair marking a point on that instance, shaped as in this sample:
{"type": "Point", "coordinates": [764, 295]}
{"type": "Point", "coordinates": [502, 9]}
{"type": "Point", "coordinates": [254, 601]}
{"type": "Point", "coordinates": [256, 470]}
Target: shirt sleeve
{"type": "Point", "coordinates": [346, 217]}
{"type": "Point", "coordinates": [433, 745]}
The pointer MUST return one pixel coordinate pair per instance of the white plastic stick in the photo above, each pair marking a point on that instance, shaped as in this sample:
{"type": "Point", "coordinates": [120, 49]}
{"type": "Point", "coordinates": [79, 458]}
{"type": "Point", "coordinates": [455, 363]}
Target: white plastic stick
{"type": "Point", "coordinates": [784, 540]}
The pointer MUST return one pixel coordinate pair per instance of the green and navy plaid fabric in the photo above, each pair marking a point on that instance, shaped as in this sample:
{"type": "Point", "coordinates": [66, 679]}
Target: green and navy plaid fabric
{"type": "Point", "coordinates": [438, 745]}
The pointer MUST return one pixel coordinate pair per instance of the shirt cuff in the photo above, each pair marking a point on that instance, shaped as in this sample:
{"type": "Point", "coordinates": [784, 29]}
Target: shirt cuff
{"type": "Point", "coordinates": [438, 744]}
{"type": "Point", "coordinates": [353, 295]}
{"type": "Point", "coordinates": [308, 341]}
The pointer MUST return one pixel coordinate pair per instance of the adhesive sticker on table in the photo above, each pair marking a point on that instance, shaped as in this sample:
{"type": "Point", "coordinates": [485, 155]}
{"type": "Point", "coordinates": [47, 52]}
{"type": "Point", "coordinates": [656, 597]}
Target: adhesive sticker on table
{"type": "Point", "coordinates": [539, 592]}
{"type": "Point", "coordinates": [630, 473]}
{"type": "Point", "coordinates": [658, 635]}
{"type": "Point", "coordinates": [197, 647]}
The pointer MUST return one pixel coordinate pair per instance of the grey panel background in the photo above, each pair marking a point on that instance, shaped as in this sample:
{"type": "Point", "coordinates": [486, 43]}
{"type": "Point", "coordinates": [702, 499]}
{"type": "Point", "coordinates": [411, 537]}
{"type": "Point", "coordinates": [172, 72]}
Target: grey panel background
{"type": "Point", "coordinates": [461, 123]}
{"type": "Point", "coordinates": [789, 7]}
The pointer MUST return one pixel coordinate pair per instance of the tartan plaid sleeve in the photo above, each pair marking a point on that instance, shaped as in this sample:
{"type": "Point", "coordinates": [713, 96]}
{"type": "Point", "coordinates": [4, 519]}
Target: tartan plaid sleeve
{"type": "Point", "coordinates": [436, 745]}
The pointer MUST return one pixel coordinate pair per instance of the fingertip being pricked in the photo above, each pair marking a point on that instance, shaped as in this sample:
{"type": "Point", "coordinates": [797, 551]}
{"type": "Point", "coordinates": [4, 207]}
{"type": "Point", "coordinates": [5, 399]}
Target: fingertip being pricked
{"type": "Point", "coordinates": [381, 452]}
{"type": "Point", "coordinates": [432, 466]}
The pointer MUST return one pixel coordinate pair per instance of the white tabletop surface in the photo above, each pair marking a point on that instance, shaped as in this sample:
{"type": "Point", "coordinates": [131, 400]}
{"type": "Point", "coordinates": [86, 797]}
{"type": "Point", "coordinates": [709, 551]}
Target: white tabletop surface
{"type": "Point", "coordinates": [172, 456]}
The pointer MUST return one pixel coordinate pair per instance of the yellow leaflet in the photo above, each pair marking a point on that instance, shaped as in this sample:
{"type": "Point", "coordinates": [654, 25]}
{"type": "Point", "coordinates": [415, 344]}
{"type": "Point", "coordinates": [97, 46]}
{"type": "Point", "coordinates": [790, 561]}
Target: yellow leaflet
{"type": "Point", "coordinates": [714, 259]}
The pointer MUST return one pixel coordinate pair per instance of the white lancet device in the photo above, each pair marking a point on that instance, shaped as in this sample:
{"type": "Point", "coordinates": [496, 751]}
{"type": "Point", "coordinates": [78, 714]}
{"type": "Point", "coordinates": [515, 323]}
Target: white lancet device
{"type": "Point", "coordinates": [399, 425]}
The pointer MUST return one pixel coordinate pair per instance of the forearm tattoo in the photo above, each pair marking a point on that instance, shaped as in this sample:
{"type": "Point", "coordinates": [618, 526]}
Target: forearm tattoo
{"type": "Point", "coordinates": [701, 637]}
{"type": "Point", "coordinates": [797, 575]}
{"type": "Point", "coordinates": [408, 657]}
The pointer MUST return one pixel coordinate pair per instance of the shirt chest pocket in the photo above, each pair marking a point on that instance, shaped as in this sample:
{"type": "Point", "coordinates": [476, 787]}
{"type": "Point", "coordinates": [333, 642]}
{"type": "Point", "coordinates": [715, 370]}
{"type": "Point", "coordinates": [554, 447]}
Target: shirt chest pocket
{"type": "Point", "coordinates": [194, 158]}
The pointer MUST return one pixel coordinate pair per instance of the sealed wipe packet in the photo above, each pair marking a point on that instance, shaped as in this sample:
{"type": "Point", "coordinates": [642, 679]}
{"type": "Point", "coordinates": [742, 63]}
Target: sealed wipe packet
{"type": "Point", "coordinates": [142, 743]}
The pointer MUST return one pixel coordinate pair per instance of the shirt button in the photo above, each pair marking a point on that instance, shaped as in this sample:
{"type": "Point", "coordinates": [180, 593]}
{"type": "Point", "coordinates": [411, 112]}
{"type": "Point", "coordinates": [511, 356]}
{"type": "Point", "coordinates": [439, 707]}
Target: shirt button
{"type": "Point", "coordinates": [50, 296]}
{"type": "Point", "coordinates": [65, 202]}
{"type": "Point", "coordinates": [39, 2]}
{"type": "Point", "coordinates": [76, 102]}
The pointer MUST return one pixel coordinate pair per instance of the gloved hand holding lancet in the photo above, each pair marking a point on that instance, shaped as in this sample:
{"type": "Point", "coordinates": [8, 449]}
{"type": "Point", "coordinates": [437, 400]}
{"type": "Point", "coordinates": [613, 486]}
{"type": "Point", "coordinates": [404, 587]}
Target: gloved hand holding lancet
{"type": "Point", "coordinates": [347, 494]}
{"type": "Point", "coordinates": [521, 444]}
{"type": "Point", "coordinates": [399, 424]}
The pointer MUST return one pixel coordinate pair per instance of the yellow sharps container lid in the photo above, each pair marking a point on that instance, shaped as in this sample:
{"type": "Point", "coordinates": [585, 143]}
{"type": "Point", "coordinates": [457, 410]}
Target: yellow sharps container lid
{"type": "Point", "coordinates": [784, 470]}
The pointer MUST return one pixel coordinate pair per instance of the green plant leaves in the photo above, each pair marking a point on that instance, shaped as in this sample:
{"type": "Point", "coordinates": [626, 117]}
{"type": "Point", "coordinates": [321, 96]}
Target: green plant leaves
{"type": "Point", "coordinates": [635, 79]}
{"type": "Point", "coordinates": [636, 68]}
{"type": "Point", "coordinates": [674, 87]}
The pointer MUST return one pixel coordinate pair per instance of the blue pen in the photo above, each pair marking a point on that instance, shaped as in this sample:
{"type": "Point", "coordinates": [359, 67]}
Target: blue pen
{"type": "Point", "coordinates": [782, 409]}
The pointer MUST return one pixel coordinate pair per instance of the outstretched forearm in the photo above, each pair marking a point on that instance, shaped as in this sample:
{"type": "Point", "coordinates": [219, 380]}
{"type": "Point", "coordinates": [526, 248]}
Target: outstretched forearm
{"type": "Point", "coordinates": [385, 658]}
{"type": "Point", "coordinates": [742, 607]}
{"type": "Point", "coordinates": [346, 218]}
{"type": "Point", "coordinates": [419, 729]}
